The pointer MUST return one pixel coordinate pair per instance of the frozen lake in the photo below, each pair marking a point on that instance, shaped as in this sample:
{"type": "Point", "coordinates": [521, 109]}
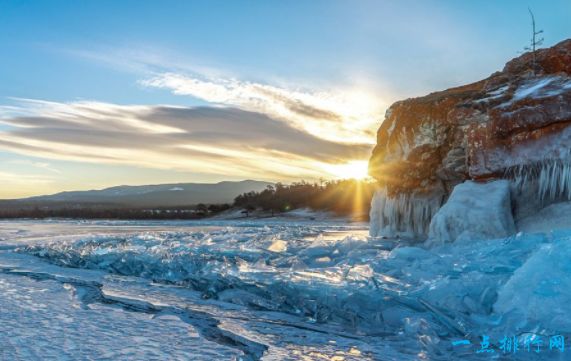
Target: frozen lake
{"type": "Point", "coordinates": [272, 290]}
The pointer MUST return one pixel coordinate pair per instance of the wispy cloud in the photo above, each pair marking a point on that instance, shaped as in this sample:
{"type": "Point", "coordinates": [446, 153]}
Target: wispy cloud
{"type": "Point", "coordinates": [24, 179]}
{"type": "Point", "coordinates": [223, 141]}
{"type": "Point", "coordinates": [145, 60]}
{"type": "Point", "coordinates": [349, 116]}
{"type": "Point", "coordinates": [40, 165]}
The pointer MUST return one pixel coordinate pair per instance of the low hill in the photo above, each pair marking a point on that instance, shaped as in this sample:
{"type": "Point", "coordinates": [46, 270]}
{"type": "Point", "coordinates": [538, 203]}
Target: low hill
{"type": "Point", "coordinates": [161, 195]}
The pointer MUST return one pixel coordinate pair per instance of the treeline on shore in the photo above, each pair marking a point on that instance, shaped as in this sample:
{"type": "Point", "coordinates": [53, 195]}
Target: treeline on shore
{"type": "Point", "coordinates": [344, 197]}
{"type": "Point", "coordinates": [102, 211]}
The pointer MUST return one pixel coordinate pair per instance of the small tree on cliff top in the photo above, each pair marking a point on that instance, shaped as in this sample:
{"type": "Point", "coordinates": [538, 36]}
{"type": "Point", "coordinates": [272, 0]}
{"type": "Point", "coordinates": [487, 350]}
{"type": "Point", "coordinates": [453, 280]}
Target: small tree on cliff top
{"type": "Point", "coordinates": [535, 41]}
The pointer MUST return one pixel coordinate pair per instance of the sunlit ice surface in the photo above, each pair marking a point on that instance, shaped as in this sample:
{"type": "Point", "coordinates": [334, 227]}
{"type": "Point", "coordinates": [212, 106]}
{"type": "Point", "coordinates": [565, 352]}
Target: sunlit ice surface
{"type": "Point", "coordinates": [278, 290]}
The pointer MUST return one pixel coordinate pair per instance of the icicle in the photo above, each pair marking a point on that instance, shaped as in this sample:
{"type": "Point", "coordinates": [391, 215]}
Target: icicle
{"type": "Point", "coordinates": [410, 214]}
{"type": "Point", "coordinates": [551, 179]}
{"type": "Point", "coordinates": [404, 214]}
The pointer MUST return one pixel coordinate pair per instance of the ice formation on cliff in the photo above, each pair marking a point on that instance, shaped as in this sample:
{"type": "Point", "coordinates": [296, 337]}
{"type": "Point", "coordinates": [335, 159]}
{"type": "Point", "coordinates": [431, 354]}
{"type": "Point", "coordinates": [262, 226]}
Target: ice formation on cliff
{"type": "Point", "coordinates": [474, 211]}
{"type": "Point", "coordinates": [403, 215]}
{"type": "Point", "coordinates": [550, 180]}
{"type": "Point", "coordinates": [532, 188]}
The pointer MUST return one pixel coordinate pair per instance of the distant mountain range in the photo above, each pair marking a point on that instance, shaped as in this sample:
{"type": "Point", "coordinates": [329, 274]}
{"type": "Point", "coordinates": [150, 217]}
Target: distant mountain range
{"type": "Point", "coordinates": [161, 195]}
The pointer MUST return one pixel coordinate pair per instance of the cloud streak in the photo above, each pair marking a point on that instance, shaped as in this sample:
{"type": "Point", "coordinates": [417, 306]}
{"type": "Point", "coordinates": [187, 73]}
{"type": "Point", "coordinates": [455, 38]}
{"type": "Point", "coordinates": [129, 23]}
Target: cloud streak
{"type": "Point", "coordinates": [207, 140]}
{"type": "Point", "coordinates": [39, 165]}
{"type": "Point", "coordinates": [349, 116]}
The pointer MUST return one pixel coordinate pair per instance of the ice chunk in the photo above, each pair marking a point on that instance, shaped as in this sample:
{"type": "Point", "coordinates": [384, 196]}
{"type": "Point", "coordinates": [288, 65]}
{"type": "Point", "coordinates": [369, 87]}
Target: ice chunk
{"type": "Point", "coordinates": [278, 246]}
{"type": "Point", "coordinates": [554, 217]}
{"type": "Point", "coordinates": [474, 211]}
{"type": "Point", "coordinates": [538, 294]}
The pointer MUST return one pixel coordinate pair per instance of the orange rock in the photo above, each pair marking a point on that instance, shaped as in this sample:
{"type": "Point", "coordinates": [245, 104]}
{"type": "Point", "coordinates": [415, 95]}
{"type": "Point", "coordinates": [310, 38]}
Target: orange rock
{"type": "Point", "coordinates": [478, 131]}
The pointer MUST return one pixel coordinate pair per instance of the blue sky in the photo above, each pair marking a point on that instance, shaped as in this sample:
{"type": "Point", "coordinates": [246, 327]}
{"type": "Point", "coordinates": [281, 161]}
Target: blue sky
{"type": "Point", "coordinates": [322, 72]}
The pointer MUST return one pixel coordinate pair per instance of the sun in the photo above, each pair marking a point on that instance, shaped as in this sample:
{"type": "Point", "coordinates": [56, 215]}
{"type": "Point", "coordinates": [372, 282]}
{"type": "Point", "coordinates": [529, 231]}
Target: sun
{"type": "Point", "coordinates": [355, 169]}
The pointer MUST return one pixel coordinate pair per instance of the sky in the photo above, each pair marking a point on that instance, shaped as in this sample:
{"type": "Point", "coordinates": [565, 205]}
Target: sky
{"type": "Point", "coordinates": [108, 92]}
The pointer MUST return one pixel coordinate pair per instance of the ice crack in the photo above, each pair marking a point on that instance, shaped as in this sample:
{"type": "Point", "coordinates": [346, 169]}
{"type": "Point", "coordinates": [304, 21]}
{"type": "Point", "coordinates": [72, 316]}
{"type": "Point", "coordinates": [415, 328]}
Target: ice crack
{"type": "Point", "coordinates": [89, 292]}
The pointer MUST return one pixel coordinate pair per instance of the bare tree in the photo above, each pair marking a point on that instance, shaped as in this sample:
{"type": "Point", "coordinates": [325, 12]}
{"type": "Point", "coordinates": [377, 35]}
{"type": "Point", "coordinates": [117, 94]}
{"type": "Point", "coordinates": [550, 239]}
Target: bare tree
{"type": "Point", "coordinates": [535, 41]}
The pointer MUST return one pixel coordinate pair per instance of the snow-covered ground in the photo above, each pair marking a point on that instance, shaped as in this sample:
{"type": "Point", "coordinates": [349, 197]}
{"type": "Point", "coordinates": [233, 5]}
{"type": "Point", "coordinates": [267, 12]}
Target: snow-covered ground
{"type": "Point", "coordinates": [272, 290]}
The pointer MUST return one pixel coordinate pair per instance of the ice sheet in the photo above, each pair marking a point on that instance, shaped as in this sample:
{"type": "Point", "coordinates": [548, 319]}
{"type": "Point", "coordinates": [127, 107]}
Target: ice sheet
{"type": "Point", "coordinates": [279, 291]}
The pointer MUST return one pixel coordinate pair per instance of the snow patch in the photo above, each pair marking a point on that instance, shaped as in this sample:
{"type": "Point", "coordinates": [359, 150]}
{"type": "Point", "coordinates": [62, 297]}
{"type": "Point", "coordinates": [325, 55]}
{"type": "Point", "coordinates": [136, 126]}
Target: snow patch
{"type": "Point", "coordinates": [493, 95]}
{"type": "Point", "coordinates": [533, 88]}
{"type": "Point", "coordinates": [539, 88]}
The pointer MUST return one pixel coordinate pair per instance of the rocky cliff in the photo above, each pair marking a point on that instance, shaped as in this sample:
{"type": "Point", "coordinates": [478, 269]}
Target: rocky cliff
{"type": "Point", "coordinates": [516, 124]}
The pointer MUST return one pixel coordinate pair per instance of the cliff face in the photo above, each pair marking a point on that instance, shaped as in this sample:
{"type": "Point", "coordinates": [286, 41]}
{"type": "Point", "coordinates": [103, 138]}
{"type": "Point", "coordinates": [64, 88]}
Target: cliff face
{"type": "Point", "coordinates": [515, 120]}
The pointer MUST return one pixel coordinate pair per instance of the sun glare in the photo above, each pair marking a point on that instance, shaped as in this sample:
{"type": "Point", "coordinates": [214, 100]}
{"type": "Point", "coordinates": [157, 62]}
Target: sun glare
{"type": "Point", "coordinates": [357, 169]}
